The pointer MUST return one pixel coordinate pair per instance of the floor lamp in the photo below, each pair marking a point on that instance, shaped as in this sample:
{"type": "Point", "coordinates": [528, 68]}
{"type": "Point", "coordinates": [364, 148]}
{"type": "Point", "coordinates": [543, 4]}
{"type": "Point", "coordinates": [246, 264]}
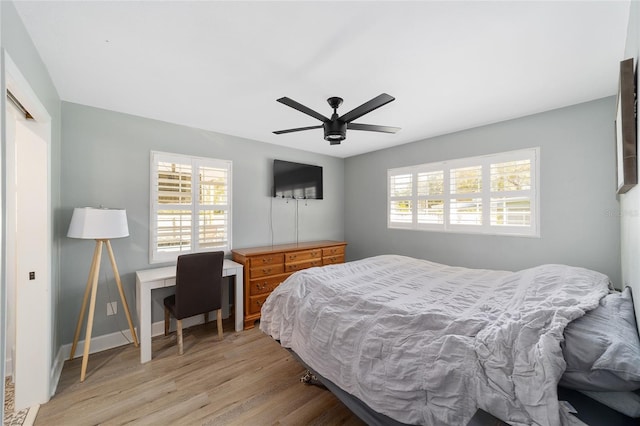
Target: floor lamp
{"type": "Point", "coordinates": [100, 225]}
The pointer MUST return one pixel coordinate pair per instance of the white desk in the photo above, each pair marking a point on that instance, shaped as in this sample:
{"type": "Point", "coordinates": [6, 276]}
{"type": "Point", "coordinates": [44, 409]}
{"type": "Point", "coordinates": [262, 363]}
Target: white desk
{"type": "Point", "coordinates": [150, 279]}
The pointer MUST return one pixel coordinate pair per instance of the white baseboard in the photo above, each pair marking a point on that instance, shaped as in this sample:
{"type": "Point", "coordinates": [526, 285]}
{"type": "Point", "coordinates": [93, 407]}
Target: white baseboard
{"type": "Point", "coordinates": [110, 341]}
{"type": "Point", "coordinates": [31, 416]}
{"type": "Point", "coordinates": [56, 371]}
{"type": "Point", "coordinates": [99, 343]}
{"type": "Point", "coordinates": [123, 337]}
{"type": "Point", "coordinates": [157, 328]}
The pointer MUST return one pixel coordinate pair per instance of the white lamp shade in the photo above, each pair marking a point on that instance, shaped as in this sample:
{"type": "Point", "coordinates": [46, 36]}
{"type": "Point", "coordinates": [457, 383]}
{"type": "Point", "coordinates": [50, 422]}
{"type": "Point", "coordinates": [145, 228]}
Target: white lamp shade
{"type": "Point", "coordinates": [98, 224]}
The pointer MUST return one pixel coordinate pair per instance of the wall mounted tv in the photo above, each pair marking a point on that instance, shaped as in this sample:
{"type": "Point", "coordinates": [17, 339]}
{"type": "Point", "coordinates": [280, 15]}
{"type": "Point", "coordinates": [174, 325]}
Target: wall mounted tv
{"type": "Point", "coordinates": [296, 180]}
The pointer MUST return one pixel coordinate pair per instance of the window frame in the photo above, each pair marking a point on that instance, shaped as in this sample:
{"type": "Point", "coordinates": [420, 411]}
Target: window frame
{"type": "Point", "coordinates": [485, 195]}
{"type": "Point", "coordinates": [195, 162]}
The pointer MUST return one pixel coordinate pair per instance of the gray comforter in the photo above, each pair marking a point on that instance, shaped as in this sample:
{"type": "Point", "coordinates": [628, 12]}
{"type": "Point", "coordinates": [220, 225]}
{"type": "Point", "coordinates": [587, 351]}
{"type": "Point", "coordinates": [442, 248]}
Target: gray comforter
{"type": "Point", "coordinates": [426, 343]}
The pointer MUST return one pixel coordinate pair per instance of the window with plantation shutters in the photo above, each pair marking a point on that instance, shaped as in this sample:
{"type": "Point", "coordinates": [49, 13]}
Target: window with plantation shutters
{"type": "Point", "coordinates": [190, 205]}
{"type": "Point", "coordinates": [492, 194]}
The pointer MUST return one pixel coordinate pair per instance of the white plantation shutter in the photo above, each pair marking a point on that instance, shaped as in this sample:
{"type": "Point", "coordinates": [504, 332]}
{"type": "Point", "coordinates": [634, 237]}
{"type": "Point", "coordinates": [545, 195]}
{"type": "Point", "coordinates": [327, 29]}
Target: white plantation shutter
{"type": "Point", "coordinates": [492, 194]}
{"type": "Point", "coordinates": [173, 213]}
{"type": "Point", "coordinates": [511, 193]}
{"type": "Point", "coordinates": [213, 221]}
{"type": "Point", "coordinates": [465, 206]}
{"type": "Point", "coordinates": [401, 199]}
{"type": "Point", "coordinates": [190, 205]}
{"type": "Point", "coordinates": [430, 198]}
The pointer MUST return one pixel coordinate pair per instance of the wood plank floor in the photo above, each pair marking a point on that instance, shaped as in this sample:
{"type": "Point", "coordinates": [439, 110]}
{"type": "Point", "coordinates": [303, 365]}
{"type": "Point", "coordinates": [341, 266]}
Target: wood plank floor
{"type": "Point", "coordinates": [246, 379]}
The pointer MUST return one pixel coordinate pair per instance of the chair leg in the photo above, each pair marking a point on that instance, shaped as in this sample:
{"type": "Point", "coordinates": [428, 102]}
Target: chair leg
{"type": "Point", "coordinates": [167, 321]}
{"type": "Point", "coordinates": [180, 348]}
{"type": "Point", "coordinates": [219, 321]}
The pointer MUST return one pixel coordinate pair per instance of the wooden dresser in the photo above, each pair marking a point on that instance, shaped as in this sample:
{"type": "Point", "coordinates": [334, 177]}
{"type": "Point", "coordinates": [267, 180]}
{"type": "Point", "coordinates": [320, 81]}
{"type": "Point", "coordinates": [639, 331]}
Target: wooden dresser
{"type": "Point", "coordinates": [266, 267]}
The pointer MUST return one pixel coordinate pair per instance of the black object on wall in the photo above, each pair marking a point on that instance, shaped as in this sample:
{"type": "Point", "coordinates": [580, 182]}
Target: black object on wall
{"type": "Point", "coordinates": [296, 180]}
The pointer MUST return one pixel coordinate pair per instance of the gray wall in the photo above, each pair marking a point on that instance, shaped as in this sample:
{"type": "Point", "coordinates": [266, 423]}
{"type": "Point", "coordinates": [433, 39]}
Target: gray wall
{"type": "Point", "coordinates": [106, 162]}
{"type": "Point", "coordinates": [17, 42]}
{"type": "Point", "coordinates": [579, 224]}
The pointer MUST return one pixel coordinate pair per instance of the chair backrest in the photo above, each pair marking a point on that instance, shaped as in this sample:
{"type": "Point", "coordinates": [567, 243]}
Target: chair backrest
{"type": "Point", "coordinates": [198, 283]}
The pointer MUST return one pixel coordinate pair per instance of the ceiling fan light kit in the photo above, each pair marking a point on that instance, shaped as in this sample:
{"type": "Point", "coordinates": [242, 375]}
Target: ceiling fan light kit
{"type": "Point", "coordinates": [335, 128]}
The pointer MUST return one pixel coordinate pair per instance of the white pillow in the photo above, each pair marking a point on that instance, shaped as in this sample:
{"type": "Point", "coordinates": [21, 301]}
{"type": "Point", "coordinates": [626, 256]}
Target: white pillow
{"type": "Point", "coordinates": [602, 348]}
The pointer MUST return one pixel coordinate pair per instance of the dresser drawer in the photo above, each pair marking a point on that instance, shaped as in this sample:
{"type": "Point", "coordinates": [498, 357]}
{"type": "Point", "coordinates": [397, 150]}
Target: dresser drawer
{"type": "Point", "coordinates": [333, 251]}
{"type": "Point", "coordinates": [265, 268]}
{"type": "Point", "coordinates": [256, 302]}
{"type": "Point", "coordinates": [266, 284]}
{"type": "Point", "coordinates": [263, 271]}
{"type": "Point", "coordinates": [293, 267]}
{"type": "Point", "coordinates": [297, 256]}
{"type": "Point", "coordinates": [331, 260]}
{"type": "Point", "coordinates": [267, 259]}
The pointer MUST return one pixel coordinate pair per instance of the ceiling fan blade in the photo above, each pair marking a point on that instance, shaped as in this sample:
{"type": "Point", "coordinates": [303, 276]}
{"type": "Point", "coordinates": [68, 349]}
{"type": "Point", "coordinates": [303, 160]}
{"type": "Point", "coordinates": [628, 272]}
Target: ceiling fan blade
{"type": "Point", "coordinates": [367, 107]}
{"type": "Point", "coordinates": [372, 128]}
{"type": "Point", "coordinates": [295, 105]}
{"type": "Point", "coordinates": [279, 132]}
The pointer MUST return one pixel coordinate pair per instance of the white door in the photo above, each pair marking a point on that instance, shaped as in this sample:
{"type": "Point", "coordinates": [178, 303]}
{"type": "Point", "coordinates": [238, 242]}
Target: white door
{"type": "Point", "coordinates": [28, 248]}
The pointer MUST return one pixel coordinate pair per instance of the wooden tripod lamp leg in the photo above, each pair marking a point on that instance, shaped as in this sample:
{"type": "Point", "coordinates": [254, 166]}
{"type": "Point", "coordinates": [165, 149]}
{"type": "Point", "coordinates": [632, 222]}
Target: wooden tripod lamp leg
{"type": "Point", "coordinates": [92, 308]}
{"type": "Point", "coordinates": [84, 302]}
{"type": "Point", "coordinates": [121, 291]}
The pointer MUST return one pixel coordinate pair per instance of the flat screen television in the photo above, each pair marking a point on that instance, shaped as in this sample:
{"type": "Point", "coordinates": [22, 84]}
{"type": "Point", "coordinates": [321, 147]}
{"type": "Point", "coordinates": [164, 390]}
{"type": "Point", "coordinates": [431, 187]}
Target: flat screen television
{"type": "Point", "coordinates": [296, 180]}
{"type": "Point", "coordinates": [626, 143]}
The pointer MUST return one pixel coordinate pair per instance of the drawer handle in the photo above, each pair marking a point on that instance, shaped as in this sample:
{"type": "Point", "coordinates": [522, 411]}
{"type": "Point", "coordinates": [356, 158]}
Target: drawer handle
{"type": "Point", "coordinates": [259, 302]}
{"type": "Point", "coordinates": [266, 270]}
{"type": "Point", "coordinates": [267, 260]}
{"type": "Point", "coordinates": [261, 286]}
{"type": "Point", "coordinates": [292, 257]}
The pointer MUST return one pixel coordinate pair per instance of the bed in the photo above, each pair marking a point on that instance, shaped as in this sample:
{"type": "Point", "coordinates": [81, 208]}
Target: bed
{"type": "Point", "coordinates": [417, 342]}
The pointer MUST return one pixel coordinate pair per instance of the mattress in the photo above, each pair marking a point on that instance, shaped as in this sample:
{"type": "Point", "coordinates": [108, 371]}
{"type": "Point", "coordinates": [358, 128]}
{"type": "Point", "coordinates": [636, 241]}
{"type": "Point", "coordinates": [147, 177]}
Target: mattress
{"type": "Point", "coordinates": [426, 343]}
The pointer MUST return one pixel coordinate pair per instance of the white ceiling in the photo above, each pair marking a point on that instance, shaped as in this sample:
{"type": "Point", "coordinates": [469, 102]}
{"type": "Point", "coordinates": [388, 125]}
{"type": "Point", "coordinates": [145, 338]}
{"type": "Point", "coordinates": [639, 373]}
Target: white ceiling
{"type": "Point", "coordinates": [221, 65]}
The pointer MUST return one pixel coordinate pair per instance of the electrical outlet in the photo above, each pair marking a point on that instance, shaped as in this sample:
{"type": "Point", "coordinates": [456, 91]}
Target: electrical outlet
{"type": "Point", "coordinates": [112, 308]}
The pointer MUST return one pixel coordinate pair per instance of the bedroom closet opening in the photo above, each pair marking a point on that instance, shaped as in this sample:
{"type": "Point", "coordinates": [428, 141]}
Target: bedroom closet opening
{"type": "Point", "coordinates": [27, 274]}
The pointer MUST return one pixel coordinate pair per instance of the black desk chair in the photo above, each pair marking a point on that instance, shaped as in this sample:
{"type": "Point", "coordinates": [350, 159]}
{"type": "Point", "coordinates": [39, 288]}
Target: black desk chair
{"type": "Point", "coordinates": [198, 290]}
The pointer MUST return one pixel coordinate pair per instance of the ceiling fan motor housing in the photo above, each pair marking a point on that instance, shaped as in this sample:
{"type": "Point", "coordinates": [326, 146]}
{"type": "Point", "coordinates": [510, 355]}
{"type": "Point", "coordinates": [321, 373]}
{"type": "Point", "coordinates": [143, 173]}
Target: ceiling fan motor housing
{"type": "Point", "coordinates": [335, 131]}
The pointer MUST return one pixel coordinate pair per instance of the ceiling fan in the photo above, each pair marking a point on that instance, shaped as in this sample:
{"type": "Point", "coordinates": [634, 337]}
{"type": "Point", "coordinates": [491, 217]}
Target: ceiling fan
{"type": "Point", "coordinates": [335, 128]}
